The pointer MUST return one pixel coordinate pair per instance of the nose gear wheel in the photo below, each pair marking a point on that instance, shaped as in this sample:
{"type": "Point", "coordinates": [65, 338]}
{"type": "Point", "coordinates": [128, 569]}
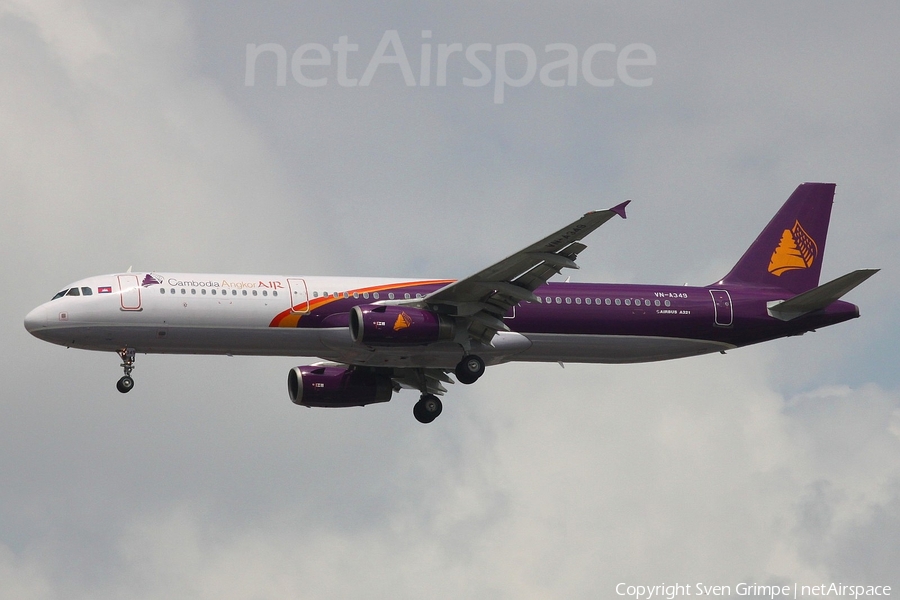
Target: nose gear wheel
{"type": "Point", "coordinates": [125, 384]}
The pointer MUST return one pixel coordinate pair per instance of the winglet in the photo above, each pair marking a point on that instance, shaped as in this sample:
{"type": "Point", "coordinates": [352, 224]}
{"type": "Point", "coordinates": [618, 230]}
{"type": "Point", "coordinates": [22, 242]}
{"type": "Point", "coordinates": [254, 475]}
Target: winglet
{"type": "Point", "coordinates": [620, 209]}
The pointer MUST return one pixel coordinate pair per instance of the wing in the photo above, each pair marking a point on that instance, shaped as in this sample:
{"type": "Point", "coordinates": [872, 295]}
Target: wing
{"type": "Point", "coordinates": [481, 300]}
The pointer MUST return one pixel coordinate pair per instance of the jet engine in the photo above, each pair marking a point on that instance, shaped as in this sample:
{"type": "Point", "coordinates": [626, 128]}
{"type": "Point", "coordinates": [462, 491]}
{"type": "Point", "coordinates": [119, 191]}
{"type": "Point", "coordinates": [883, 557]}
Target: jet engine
{"type": "Point", "coordinates": [375, 325]}
{"type": "Point", "coordinates": [337, 386]}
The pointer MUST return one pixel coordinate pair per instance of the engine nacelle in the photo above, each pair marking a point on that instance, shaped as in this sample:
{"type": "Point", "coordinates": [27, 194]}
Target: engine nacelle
{"type": "Point", "coordinates": [376, 325]}
{"type": "Point", "coordinates": [337, 386]}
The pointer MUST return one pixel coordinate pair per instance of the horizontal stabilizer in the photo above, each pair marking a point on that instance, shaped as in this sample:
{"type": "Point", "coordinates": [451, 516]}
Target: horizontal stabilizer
{"type": "Point", "coordinates": [819, 297]}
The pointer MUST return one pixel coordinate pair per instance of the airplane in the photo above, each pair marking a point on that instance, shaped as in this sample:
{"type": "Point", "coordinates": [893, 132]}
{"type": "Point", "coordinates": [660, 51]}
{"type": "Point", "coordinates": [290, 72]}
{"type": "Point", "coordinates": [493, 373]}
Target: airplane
{"type": "Point", "coordinates": [375, 336]}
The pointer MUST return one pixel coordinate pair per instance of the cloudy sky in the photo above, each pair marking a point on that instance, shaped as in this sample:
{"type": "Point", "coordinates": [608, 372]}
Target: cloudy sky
{"type": "Point", "coordinates": [131, 133]}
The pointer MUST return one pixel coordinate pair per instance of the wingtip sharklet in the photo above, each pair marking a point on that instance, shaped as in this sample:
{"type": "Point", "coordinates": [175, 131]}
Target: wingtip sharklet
{"type": "Point", "coordinates": [619, 209]}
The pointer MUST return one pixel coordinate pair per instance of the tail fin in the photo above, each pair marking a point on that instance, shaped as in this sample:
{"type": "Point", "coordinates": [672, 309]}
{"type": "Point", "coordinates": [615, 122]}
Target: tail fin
{"type": "Point", "coordinates": [788, 253]}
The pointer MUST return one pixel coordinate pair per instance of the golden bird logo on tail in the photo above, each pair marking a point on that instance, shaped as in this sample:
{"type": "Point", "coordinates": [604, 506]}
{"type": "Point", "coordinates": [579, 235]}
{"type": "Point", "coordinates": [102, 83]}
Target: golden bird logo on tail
{"type": "Point", "coordinates": [797, 250]}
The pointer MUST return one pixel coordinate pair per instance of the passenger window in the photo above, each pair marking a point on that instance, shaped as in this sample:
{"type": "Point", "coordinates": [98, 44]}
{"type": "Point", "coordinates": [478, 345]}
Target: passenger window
{"type": "Point", "coordinates": [86, 291]}
{"type": "Point", "coordinates": [627, 301]}
{"type": "Point", "coordinates": [356, 295]}
{"type": "Point", "coordinates": [265, 293]}
{"type": "Point", "coordinates": [73, 292]}
{"type": "Point", "coordinates": [568, 300]}
{"type": "Point", "coordinates": [577, 300]}
{"type": "Point", "coordinates": [406, 296]}
{"type": "Point", "coordinates": [587, 300]}
{"type": "Point", "coordinates": [203, 292]}
{"type": "Point", "coordinates": [549, 300]}
{"type": "Point", "coordinates": [254, 292]}
{"type": "Point", "coordinates": [607, 301]}
{"type": "Point", "coordinates": [243, 292]}
{"type": "Point", "coordinates": [193, 291]}
{"type": "Point", "coordinates": [213, 291]}
{"type": "Point", "coordinates": [618, 302]}
{"type": "Point", "coordinates": [183, 291]}
{"type": "Point", "coordinates": [390, 295]}
{"type": "Point", "coordinates": [668, 303]}
{"type": "Point", "coordinates": [375, 295]}
{"type": "Point", "coordinates": [656, 302]}
{"type": "Point", "coordinates": [366, 295]}
{"type": "Point", "coordinates": [558, 300]}
{"type": "Point", "coordinates": [172, 291]}
{"type": "Point", "coordinates": [273, 293]}
{"type": "Point", "coordinates": [162, 290]}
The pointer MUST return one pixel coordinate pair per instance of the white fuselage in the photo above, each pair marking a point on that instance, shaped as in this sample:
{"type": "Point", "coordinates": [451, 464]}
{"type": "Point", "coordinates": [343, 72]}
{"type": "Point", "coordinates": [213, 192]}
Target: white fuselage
{"type": "Point", "coordinates": [259, 315]}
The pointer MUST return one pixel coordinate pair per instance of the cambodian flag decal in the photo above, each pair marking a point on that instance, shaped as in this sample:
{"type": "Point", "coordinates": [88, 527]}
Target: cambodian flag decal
{"type": "Point", "coordinates": [104, 290]}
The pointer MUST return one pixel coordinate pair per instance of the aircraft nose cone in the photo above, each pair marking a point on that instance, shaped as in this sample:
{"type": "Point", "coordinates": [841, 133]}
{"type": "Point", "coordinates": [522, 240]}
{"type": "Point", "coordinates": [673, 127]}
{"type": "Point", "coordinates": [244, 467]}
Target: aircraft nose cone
{"type": "Point", "coordinates": [36, 320]}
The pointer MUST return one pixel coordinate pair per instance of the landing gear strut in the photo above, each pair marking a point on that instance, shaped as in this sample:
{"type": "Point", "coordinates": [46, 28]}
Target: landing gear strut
{"type": "Point", "coordinates": [469, 369]}
{"type": "Point", "coordinates": [427, 408]}
{"type": "Point", "coordinates": [125, 384]}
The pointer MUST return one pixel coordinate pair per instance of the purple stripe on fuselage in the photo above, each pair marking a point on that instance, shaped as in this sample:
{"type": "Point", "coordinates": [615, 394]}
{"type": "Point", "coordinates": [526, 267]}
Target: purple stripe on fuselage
{"type": "Point", "coordinates": [634, 310]}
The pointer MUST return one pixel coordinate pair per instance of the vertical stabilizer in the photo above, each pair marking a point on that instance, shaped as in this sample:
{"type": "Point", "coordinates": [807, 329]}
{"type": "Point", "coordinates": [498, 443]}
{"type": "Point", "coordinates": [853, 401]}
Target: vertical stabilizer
{"type": "Point", "coordinates": [788, 253]}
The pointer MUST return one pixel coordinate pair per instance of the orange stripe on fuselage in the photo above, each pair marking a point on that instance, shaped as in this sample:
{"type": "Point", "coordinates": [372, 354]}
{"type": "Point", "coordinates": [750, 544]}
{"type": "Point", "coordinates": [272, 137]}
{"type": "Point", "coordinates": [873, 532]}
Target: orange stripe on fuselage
{"type": "Point", "coordinates": [289, 318]}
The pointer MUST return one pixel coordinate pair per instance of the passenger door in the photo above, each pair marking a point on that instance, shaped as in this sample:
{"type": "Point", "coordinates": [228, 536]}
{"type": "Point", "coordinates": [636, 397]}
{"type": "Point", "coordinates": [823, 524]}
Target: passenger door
{"type": "Point", "coordinates": [724, 310]}
{"type": "Point", "coordinates": [129, 292]}
{"type": "Point", "coordinates": [299, 295]}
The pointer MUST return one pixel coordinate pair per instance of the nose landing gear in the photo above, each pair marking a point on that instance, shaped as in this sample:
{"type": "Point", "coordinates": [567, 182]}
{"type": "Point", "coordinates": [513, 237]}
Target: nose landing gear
{"type": "Point", "coordinates": [125, 384]}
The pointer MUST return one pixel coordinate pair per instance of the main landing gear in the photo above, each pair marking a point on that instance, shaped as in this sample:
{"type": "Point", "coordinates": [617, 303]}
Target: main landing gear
{"type": "Point", "coordinates": [125, 384]}
{"type": "Point", "coordinates": [469, 369]}
{"type": "Point", "coordinates": [427, 408]}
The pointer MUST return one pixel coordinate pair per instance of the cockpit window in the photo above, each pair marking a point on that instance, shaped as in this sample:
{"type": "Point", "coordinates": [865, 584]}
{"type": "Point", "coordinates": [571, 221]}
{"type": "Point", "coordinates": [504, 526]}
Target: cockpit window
{"type": "Point", "coordinates": [85, 291]}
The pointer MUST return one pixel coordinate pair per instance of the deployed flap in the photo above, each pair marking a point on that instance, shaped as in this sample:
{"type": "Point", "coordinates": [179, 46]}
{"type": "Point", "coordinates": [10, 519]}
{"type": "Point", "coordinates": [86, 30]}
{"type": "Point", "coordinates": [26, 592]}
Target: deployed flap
{"type": "Point", "coordinates": [426, 380]}
{"type": "Point", "coordinates": [819, 297]}
{"type": "Point", "coordinates": [486, 296]}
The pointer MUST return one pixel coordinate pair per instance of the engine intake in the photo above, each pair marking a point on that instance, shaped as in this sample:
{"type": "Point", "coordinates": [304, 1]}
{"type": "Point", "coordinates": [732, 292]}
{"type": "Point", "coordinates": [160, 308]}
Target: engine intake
{"type": "Point", "coordinates": [337, 386]}
{"type": "Point", "coordinates": [375, 325]}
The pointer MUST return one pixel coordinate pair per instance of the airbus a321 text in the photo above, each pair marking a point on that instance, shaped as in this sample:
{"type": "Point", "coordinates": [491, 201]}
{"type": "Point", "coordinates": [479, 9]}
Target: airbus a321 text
{"type": "Point", "coordinates": [376, 336]}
